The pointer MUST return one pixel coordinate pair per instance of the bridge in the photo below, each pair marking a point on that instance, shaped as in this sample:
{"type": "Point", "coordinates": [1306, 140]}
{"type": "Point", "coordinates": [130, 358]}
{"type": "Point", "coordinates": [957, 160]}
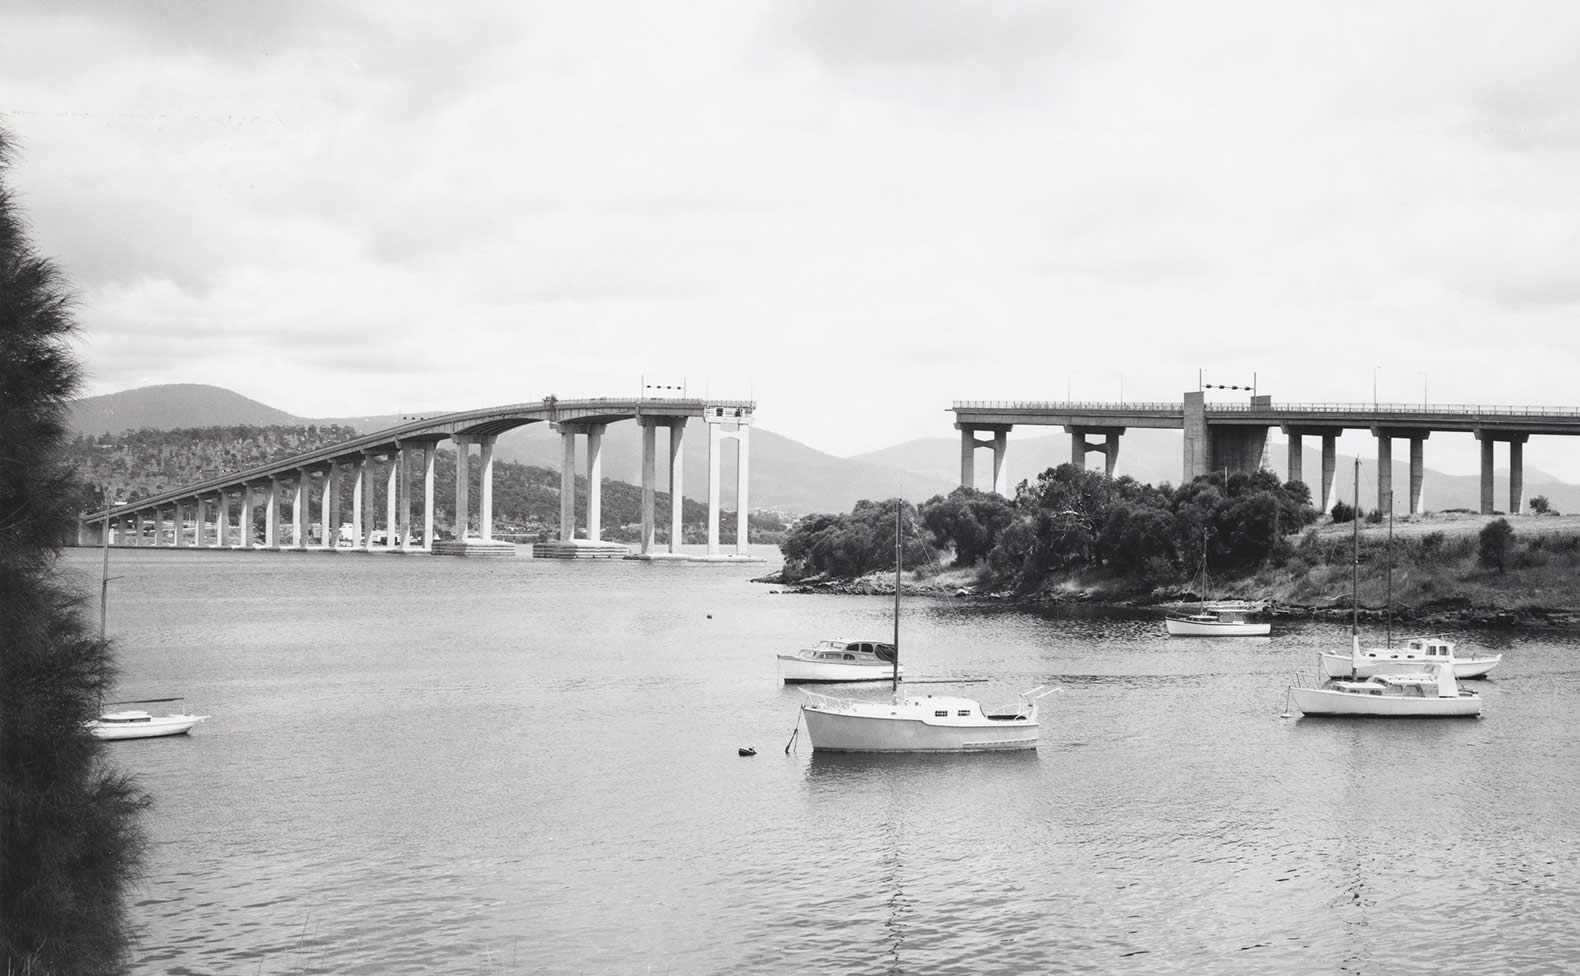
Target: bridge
{"type": "Point", "coordinates": [1231, 436]}
{"type": "Point", "coordinates": [203, 512]}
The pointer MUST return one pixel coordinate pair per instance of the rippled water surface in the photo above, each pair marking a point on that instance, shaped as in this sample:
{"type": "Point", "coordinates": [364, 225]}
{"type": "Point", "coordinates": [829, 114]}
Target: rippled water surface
{"type": "Point", "coordinates": [421, 765]}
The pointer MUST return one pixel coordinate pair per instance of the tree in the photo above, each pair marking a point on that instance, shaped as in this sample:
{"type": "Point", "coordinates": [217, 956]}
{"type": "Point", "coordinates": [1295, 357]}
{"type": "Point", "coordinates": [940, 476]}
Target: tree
{"type": "Point", "coordinates": [1541, 506]}
{"type": "Point", "coordinates": [969, 521]}
{"type": "Point", "coordinates": [70, 841]}
{"type": "Point", "coordinates": [1497, 542]}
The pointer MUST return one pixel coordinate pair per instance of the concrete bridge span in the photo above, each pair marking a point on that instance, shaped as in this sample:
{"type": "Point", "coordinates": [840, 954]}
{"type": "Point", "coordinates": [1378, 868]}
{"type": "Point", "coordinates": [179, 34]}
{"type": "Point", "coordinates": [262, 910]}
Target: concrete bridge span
{"type": "Point", "coordinates": [1232, 436]}
{"type": "Point", "coordinates": [394, 454]}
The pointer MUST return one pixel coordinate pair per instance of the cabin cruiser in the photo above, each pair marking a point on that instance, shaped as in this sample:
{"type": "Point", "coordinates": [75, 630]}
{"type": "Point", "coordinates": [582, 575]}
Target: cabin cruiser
{"type": "Point", "coordinates": [928, 723]}
{"type": "Point", "coordinates": [1416, 654]}
{"type": "Point", "coordinates": [1433, 693]}
{"type": "Point", "coordinates": [138, 724]}
{"type": "Point", "coordinates": [840, 660]}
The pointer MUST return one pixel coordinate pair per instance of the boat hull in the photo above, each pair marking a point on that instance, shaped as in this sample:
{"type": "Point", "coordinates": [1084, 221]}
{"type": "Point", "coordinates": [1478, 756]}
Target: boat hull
{"type": "Point", "coordinates": [154, 728]}
{"type": "Point", "coordinates": [1342, 666]}
{"type": "Point", "coordinates": [1203, 628]}
{"type": "Point", "coordinates": [1322, 701]}
{"type": "Point", "coordinates": [839, 731]}
{"type": "Point", "coordinates": [796, 670]}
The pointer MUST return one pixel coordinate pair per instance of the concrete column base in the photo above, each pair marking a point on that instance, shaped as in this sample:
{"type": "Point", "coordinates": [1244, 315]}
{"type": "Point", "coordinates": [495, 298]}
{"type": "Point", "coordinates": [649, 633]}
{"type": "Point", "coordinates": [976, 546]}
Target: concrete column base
{"type": "Point", "coordinates": [580, 549]}
{"type": "Point", "coordinates": [491, 548]}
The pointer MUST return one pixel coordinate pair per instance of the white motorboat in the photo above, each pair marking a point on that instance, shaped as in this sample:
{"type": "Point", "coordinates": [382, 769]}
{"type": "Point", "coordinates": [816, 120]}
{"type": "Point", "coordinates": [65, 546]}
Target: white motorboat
{"type": "Point", "coordinates": [839, 660]}
{"type": "Point", "coordinates": [1218, 622]}
{"type": "Point", "coordinates": [1416, 654]}
{"type": "Point", "coordinates": [1433, 694]}
{"type": "Point", "coordinates": [930, 723]}
{"type": "Point", "coordinates": [138, 724]}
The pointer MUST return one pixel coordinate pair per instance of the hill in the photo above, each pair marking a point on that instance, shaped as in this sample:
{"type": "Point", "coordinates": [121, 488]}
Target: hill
{"type": "Point", "coordinates": [173, 405]}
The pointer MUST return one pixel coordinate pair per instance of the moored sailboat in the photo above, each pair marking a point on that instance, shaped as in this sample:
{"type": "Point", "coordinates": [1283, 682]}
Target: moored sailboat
{"type": "Point", "coordinates": [928, 723]}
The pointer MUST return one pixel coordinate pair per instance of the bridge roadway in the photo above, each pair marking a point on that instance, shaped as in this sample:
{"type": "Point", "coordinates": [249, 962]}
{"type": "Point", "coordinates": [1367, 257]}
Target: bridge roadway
{"type": "Point", "coordinates": [394, 449]}
{"type": "Point", "coordinates": [1232, 435]}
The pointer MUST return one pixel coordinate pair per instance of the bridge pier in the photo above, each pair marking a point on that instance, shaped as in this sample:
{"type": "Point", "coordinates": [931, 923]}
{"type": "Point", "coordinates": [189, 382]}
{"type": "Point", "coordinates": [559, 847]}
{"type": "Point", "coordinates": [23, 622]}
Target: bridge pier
{"type": "Point", "coordinates": [1516, 440]}
{"type": "Point", "coordinates": [1000, 445]}
{"type": "Point", "coordinates": [717, 435]}
{"type": "Point", "coordinates": [677, 498]}
{"type": "Point", "coordinates": [177, 517]}
{"type": "Point", "coordinates": [485, 488]}
{"type": "Point", "coordinates": [391, 497]}
{"type": "Point", "coordinates": [567, 484]}
{"type": "Point", "coordinates": [428, 456]}
{"type": "Point", "coordinates": [300, 521]}
{"type": "Point", "coordinates": [463, 487]}
{"type": "Point", "coordinates": [595, 482]}
{"type": "Point", "coordinates": [359, 488]}
{"type": "Point", "coordinates": [649, 481]}
{"type": "Point", "coordinates": [1417, 471]}
{"type": "Point", "coordinates": [329, 508]}
{"type": "Point", "coordinates": [1384, 470]}
{"type": "Point", "coordinates": [271, 515]}
{"type": "Point", "coordinates": [1080, 447]}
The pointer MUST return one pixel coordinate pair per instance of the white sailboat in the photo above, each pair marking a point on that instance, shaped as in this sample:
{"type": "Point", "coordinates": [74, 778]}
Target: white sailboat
{"type": "Point", "coordinates": [927, 723]}
{"type": "Point", "coordinates": [1217, 618]}
{"type": "Point", "coordinates": [1430, 690]}
{"type": "Point", "coordinates": [133, 723]}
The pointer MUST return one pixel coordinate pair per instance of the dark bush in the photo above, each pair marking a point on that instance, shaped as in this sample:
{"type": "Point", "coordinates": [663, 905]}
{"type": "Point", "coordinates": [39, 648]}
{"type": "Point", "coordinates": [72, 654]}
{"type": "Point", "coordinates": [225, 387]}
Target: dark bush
{"type": "Point", "coordinates": [1496, 543]}
{"type": "Point", "coordinates": [1342, 512]}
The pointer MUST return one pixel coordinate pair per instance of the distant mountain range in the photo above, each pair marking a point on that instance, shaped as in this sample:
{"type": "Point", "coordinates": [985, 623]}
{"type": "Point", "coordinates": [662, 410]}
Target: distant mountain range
{"type": "Point", "coordinates": [791, 476]}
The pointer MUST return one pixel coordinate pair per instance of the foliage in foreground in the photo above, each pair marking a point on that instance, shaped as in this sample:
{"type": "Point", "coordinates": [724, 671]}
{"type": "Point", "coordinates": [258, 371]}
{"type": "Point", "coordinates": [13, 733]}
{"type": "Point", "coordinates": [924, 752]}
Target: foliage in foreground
{"type": "Point", "coordinates": [70, 842]}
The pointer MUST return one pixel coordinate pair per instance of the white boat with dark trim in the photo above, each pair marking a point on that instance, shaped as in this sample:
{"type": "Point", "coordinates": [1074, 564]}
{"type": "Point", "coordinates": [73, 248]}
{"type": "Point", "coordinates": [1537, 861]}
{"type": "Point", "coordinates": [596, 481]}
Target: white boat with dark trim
{"type": "Point", "coordinates": [928, 723]}
{"type": "Point", "coordinates": [1417, 654]}
{"type": "Point", "coordinates": [1434, 694]}
{"type": "Point", "coordinates": [839, 660]}
{"type": "Point", "coordinates": [1218, 621]}
{"type": "Point", "coordinates": [138, 724]}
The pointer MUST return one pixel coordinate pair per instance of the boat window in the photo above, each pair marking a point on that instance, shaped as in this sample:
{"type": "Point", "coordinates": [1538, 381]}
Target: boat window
{"type": "Point", "coordinates": [850, 657]}
{"type": "Point", "coordinates": [964, 711]}
{"type": "Point", "coordinates": [942, 714]}
{"type": "Point", "coordinates": [865, 647]}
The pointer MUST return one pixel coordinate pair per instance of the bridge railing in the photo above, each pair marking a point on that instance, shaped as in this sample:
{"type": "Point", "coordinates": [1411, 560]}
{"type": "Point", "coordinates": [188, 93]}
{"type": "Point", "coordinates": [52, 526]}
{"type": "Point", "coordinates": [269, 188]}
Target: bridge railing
{"type": "Point", "coordinates": [1071, 405]}
{"type": "Point", "coordinates": [1456, 409]}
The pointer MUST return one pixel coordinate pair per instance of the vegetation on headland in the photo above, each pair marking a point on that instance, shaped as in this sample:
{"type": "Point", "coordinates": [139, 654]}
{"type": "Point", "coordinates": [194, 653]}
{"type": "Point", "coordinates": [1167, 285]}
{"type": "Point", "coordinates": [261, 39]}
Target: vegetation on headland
{"type": "Point", "coordinates": [1074, 535]}
{"type": "Point", "coordinates": [136, 464]}
{"type": "Point", "coordinates": [70, 840]}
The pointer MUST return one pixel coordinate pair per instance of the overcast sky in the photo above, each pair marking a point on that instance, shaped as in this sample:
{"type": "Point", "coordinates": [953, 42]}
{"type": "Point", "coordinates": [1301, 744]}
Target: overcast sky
{"type": "Point", "coordinates": [855, 212]}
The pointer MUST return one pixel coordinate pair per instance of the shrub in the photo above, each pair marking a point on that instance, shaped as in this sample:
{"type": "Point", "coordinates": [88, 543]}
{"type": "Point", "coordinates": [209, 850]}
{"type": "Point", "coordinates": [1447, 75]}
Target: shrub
{"type": "Point", "coordinates": [1541, 506]}
{"type": "Point", "coordinates": [1342, 512]}
{"type": "Point", "coordinates": [1496, 542]}
{"type": "Point", "coordinates": [1375, 516]}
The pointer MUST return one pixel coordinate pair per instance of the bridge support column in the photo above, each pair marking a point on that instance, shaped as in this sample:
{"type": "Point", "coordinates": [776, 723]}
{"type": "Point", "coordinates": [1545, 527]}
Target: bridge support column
{"type": "Point", "coordinates": [1417, 472]}
{"type": "Point", "coordinates": [1000, 468]}
{"type": "Point", "coordinates": [1516, 475]}
{"type": "Point", "coordinates": [463, 487]}
{"type": "Point", "coordinates": [301, 521]}
{"type": "Point", "coordinates": [743, 465]}
{"type": "Point", "coordinates": [567, 484]}
{"type": "Point", "coordinates": [999, 442]}
{"type": "Point", "coordinates": [177, 515]}
{"type": "Point", "coordinates": [1384, 472]}
{"type": "Point", "coordinates": [391, 495]}
{"type": "Point", "coordinates": [271, 516]}
{"type": "Point", "coordinates": [1297, 458]}
{"type": "Point", "coordinates": [1110, 454]}
{"type": "Point", "coordinates": [370, 522]}
{"type": "Point", "coordinates": [1486, 473]}
{"type": "Point", "coordinates": [714, 439]}
{"type": "Point", "coordinates": [1330, 450]}
{"type": "Point", "coordinates": [359, 489]}
{"type": "Point", "coordinates": [649, 480]}
{"type": "Point", "coordinates": [677, 500]}
{"type": "Point", "coordinates": [428, 455]}
{"type": "Point", "coordinates": [244, 530]}
{"type": "Point", "coordinates": [1080, 446]}
{"type": "Point", "coordinates": [485, 487]}
{"type": "Point", "coordinates": [403, 496]}
{"type": "Point", "coordinates": [595, 482]}
{"type": "Point", "coordinates": [1198, 454]}
{"type": "Point", "coordinates": [330, 510]}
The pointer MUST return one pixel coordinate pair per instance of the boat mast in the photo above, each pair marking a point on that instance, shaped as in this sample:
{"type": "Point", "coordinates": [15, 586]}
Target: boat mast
{"type": "Point", "coordinates": [899, 553]}
{"type": "Point", "coordinates": [1389, 626]}
{"type": "Point", "coordinates": [1355, 557]}
{"type": "Point", "coordinates": [104, 579]}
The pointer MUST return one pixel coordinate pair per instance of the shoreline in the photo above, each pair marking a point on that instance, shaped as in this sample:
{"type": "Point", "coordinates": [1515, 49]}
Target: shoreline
{"type": "Point", "coordinates": [1452, 612]}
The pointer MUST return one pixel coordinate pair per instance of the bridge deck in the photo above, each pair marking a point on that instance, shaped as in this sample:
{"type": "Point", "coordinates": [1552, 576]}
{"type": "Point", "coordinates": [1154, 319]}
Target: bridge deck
{"type": "Point", "coordinates": [1333, 416]}
{"type": "Point", "coordinates": [485, 421]}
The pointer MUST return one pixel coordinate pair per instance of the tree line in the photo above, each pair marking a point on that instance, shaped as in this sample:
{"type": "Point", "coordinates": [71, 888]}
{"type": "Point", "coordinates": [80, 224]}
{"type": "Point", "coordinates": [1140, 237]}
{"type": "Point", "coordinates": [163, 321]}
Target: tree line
{"type": "Point", "coordinates": [1067, 519]}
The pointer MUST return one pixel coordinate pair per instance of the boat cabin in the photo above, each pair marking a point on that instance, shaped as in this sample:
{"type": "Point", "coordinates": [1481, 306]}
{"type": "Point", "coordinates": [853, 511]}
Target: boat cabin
{"type": "Point", "coordinates": [831, 650]}
{"type": "Point", "coordinates": [1431, 647]}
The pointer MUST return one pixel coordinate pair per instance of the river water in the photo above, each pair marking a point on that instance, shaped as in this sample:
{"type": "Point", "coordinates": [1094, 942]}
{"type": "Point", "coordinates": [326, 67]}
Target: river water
{"type": "Point", "coordinates": [421, 765]}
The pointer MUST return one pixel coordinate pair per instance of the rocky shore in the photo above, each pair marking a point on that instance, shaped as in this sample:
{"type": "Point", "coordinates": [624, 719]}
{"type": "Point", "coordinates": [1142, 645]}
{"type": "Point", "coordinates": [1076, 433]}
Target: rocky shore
{"type": "Point", "coordinates": [1454, 612]}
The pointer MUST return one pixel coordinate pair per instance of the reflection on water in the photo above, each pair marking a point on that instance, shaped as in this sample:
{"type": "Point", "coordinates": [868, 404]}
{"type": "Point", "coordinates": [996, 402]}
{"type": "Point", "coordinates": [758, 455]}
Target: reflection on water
{"type": "Point", "coordinates": [421, 765]}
